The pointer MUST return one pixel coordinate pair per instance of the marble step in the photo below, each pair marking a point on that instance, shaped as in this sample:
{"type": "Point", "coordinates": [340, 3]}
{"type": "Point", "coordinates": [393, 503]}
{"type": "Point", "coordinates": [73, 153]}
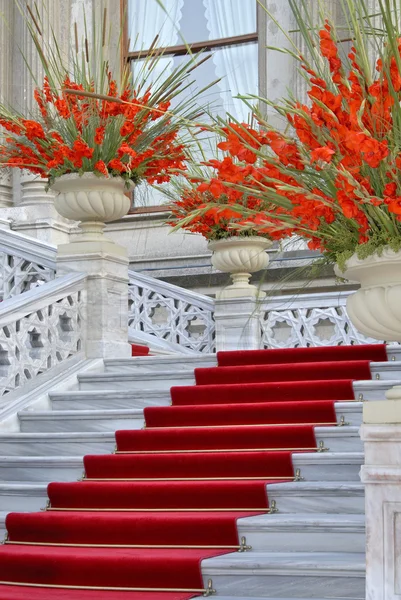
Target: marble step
{"type": "Point", "coordinates": [373, 389]}
{"type": "Point", "coordinates": [307, 575]}
{"type": "Point", "coordinates": [56, 444]}
{"type": "Point", "coordinates": [351, 411]}
{"type": "Point", "coordinates": [386, 370]}
{"type": "Point", "coordinates": [158, 380]}
{"type": "Point", "coordinates": [342, 466]}
{"type": "Point", "coordinates": [314, 497]}
{"type": "Point", "coordinates": [108, 399]}
{"type": "Point", "coordinates": [308, 532]}
{"type": "Point", "coordinates": [131, 379]}
{"type": "Point", "coordinates": [339, 439]}
{"type": "Point", "coordinates": [151, 364]}
{"type": "Point", "coordinates": [29, 469]}
{"type": "Point", "coordinates": [22, 497]}
{"type": "Point", "coordinates": [80, 420]}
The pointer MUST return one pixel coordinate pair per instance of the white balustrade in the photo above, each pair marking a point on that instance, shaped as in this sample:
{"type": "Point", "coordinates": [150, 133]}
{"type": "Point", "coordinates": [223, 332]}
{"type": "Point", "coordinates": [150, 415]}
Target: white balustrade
{"type": "Point", "coordinates": [40, 329]}
{"type": "Point", "coordinates": [302, 320]}
{"type": "Point", "coordinates": [170, 313]}
{"type": "Point", "coordinates": [25, 263]}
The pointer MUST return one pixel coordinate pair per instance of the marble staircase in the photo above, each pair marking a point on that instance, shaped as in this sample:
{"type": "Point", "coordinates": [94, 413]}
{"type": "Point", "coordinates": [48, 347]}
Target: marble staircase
{"type": "Point", "coordinates": [313, 547]}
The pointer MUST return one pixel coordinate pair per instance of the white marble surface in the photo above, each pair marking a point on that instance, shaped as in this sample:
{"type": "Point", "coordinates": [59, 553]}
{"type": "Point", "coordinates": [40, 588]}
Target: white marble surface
{"type": "Point", "coordinates": [315, 496]}
{"type": "Point", "coordinates": [373, 389]}
{"type": "Point", "coordinates": [382, 478]}
{"type": "Point", "coordinates": [351, 411]}
{"type": "Point", "coordinates": [341, 466]}
{"type": "Point", "coordinates": [107, 399]}
{"type": "Point", "coordinates": [81, 420]}
{"type": "Point", "coordinates": [386, 370]}
{"type": "Point", "coordinates": [271, 575]}
{"type": "Point", "coordinates": [162, 380]}
{"type": "Point", "coordinates": [339, 439]}
{"type": "Point", "coordinates": [56, 444]}
{"type": "Point", "coordinates": [151, 364]}
{"type": "Point", "coordinates": [310, 532]}
{"type": "Point", "coordinates": [22, 497]}
{"type": "Point", "coordinates": [24, 469]}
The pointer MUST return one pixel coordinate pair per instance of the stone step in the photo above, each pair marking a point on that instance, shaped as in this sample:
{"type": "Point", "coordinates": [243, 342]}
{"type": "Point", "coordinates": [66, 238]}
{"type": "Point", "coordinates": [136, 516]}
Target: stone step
{"type": "Point", "coordinates": [29, 469]}
{"type": "Point", "coordinates": [351, 411]}
{"type": "Point", "coordinates": [56, 444]}
{"type": "Point", "coordinates": [121, 379]}
{"type": "Point", "coordinates": [159, 380]}
{"type": "Point", "coordinates": [22, 497]}
{"type": "Point", "coordinates": [274, 575]}
{"type": "Point", "coordinates": [339, 439]}
{"type": "Point", "coordinates": [108, 399]}
{"type": "Point", "coordinates": [304, 532]}
{"type": "Point", "coordinates": [342, 466]}
{"type": "Point", "coordinates": [314, 497]}
{"type": "Point", "coordinates": [373, 389]}
{"type": "Point", "coordinates": [151, 364]}
{"type": "Point", "coordinates": [386, 370]}
{"type": "Point", "coordinates": [80, 420]}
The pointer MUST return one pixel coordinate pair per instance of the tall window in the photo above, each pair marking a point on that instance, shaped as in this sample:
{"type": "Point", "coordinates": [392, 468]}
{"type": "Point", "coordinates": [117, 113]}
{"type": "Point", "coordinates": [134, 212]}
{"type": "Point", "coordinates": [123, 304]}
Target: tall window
{"type": "Point", "coordinates": [230, 30]}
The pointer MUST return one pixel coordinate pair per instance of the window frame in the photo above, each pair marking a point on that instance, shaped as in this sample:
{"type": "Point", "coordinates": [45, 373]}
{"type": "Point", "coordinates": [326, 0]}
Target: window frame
{"type": "Point", "coordinates": [260, 37]}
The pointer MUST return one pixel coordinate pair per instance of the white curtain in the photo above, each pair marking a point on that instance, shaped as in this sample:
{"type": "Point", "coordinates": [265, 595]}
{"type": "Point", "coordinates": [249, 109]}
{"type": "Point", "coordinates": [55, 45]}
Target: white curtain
{"type": "Point", "coordinates": [237, 65]}
{"type": "Point", "coordinates": [147, 19]}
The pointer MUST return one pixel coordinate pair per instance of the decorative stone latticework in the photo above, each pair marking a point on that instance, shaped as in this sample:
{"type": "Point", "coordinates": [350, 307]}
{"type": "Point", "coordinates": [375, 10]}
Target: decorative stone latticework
{"type": "Point", "coordinates": [40, 334]}
{"type": "Point", "coordinates": [171, 313]}
{"type": "Point", "coordinates": [308, 320]}
{"type": "Point", "coordinates": [19, 275]}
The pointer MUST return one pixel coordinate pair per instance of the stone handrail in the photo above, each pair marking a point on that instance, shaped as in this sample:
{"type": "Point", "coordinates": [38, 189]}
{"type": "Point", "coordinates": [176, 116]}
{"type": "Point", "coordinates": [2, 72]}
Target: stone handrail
{"type": "Point", "coordinates": [178, 317]}
{"type": "Point", "coordinates": [318, 319]}
{"type": "Point", "coordinates": [25, 263]}
{"type": "Point", "coordinates": [40, 329]}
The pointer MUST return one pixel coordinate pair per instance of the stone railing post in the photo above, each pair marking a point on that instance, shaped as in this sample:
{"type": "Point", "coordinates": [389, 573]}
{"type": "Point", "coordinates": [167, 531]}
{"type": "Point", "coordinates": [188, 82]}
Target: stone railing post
{"type": "Point", "coordinates": [106, 267]}
{"type": "Point", "coordinates": [238, 324]}
{"type": "Point", "coordinates": [381, 474]}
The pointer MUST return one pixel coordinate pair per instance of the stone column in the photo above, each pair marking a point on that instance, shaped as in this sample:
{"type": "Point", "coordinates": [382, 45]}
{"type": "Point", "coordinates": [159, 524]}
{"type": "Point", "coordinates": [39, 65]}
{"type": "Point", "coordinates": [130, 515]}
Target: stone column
{"type": "Point", "coordinates": [106, 266]}
{"type": "Point", "coordinates": [381, 474]}
{"type": "Point", "coordinates": [6, 25]}
{"type": "Point", "coordinates": [238, 324]}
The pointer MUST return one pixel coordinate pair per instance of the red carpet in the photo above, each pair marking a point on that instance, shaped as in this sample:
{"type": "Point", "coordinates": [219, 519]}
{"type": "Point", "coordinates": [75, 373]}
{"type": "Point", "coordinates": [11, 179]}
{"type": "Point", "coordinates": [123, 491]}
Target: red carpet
{"type": "Point", "coordinates": [139, 350]}
{"type": "Point", "coordinates": [145, 517]}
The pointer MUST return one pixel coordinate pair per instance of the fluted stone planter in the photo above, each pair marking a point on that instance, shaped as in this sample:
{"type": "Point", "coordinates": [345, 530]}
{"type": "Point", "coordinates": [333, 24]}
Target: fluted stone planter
{"type": "Point", "coordinates": [240, 256]}
{"type": "Point", "coordinates": [375, 309]}
{"type": "Point", "coordinates": [91, 200]}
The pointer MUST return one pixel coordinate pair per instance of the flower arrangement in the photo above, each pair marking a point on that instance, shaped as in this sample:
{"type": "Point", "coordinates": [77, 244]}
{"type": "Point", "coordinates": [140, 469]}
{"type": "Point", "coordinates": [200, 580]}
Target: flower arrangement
{"type": "Point", "coordinates": [86, 122]}
{"type": "Point", "coordinates": [333, 176]}
{"type": "Point", "coordinates": [212, 199]}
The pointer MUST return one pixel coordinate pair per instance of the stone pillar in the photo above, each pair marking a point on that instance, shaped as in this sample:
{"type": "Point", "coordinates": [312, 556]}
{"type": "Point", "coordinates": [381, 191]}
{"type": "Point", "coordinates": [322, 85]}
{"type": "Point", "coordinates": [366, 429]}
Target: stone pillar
{"type": "Point", "coordinates": [238, 324]}
{"type": "Point", "coordinates": [6, 25]}
{"type": "Point", "coordinates": [106, 266]}
{"type": "Point", "coordinates": [381, 474]}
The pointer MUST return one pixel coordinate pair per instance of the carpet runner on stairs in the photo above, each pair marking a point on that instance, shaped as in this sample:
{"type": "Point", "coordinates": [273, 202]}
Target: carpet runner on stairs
{"type": "Point", "coordinates": [143, 518]}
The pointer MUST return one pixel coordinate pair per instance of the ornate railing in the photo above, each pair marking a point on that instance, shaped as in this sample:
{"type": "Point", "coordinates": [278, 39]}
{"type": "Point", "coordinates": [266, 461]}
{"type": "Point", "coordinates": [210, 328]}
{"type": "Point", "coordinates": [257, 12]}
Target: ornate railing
{"type": "Point", "coordinates": [318, 319]}
{"type": "Point", "coordinates": [25, 263]}
{"type": "Point", "coordinates": [40, 329]}
{"type": "Point", "coordinates": [182, 319]}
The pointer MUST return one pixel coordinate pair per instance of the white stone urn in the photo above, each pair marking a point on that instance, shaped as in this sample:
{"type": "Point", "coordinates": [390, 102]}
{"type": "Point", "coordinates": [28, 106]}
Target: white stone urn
{"type": "Point", "coordinates": [91, 200]}
{"type": "Point", "coordinates": [375, 309]}
{"type": "Point", "coordinates": [240, 256]}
